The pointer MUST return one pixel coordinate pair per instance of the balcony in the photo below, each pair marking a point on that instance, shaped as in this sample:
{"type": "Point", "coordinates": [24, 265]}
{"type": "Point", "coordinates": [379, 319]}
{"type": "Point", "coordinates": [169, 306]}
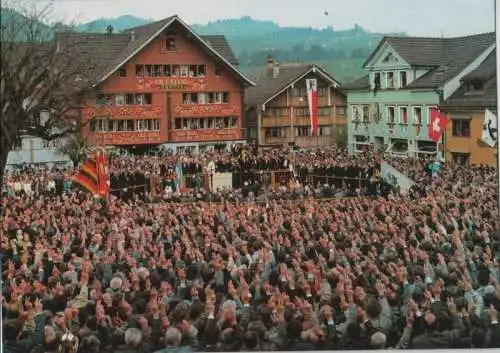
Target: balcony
{"type": "Point", "coordinates": [275, 121]}
{"type": "Point", "coordinates": [126, 137]}
{"type": "Point", "coordinates": [195, 110]}
{"type": "Point", "coordinates": [203, 135]}
{"type": "Point", "coordinates": [124, 111]}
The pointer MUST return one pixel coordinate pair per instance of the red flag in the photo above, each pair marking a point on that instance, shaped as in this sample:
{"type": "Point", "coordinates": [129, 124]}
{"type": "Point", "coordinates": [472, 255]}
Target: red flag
{"type": "Point", "coordinates": [312, 97]}
{"type": "Point", "coordinates": [103, 174]}
{"type": "Point", "coordinates": [437, 125]}
{"type": "Point", "coordinates": [87, 176]}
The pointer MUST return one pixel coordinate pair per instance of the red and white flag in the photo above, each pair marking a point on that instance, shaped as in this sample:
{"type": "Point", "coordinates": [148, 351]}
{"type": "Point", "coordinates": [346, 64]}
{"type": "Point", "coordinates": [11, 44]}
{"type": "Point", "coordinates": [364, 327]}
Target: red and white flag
{"type": "Point", "coordinates": [312, 98]}
{"type": "Point", "coordinates": [437, 125]}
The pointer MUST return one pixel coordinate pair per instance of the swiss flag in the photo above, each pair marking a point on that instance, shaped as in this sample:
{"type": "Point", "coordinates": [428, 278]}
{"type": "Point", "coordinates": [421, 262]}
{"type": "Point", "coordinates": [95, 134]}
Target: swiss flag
{"type": "Point", "coordinates": [437, 125]}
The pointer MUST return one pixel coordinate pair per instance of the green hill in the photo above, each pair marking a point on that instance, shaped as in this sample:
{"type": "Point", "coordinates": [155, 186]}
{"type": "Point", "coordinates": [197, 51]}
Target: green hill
{"type": "Point", "coordinates": [340, 51]}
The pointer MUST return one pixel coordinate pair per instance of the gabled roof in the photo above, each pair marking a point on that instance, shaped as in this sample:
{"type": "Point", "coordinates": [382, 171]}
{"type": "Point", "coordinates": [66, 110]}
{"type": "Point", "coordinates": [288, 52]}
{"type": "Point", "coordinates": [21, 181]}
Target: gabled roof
{"type": "Point", "coordinates": [267, 87]}
{"type": "Point", "coordinates": [462, 99]}
{"type": "Point", "coordinates": [111, 51]}
{"type": "Point", "coordinates": [220, 44]}
{"type": "Point", "coordinates": [444, 57]}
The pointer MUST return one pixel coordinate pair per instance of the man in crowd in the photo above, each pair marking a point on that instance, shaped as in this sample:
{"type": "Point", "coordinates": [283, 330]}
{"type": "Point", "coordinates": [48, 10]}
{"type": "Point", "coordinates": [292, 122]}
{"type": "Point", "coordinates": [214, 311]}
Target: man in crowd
{"type": "Point", "coordinates": [415, 271]}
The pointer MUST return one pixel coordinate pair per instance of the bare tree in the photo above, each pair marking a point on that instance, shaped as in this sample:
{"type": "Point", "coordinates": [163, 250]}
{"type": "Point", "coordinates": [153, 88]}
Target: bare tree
{"type": "Point", "coordinates": [42, 81]}
{"type": "Point", "coordinates": [76, 147]}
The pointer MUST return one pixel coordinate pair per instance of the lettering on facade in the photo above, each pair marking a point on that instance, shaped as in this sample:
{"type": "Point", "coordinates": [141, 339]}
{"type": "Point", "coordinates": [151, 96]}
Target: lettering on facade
{"type": "Point", "coordinates": [202, 109]}
{"type": "Point", "coordinates": [207, 135]}
{"type": "Point", "coordinates": [172, 84]}
{"type": "Point", "coordinates": [124, 112]}
{"type": "Point", "coordinates": [127, 137]}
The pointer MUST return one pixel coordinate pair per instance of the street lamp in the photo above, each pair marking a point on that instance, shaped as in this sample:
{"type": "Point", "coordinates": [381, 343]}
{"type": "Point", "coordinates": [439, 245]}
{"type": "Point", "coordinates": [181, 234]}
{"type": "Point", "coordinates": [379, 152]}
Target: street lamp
{"type": "Point", "coordinates": [211, 171]}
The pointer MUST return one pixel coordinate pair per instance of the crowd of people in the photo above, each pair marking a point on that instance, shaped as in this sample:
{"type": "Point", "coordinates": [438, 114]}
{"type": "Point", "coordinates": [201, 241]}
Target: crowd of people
{"type": "Point", "coordinates": [420, 270]}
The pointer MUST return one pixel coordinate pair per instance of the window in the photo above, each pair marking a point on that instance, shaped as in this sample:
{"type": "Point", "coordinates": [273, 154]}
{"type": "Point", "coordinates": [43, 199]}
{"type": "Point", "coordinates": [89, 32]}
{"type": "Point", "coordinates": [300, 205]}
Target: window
{"type": "Point", "coordinates": [366, 113]}
{"type": "Point", "coordinates": [274, 132]}
{"type": "Point", "coordinates": [475, 87]}
{"type": "Point", "coordinates": [299, 91]}
{"type": "Point", "coordinates": [402, 79]}
{"type": "Point", "coordinates": [301, 111]}
{"type": "Point", "coordinates": [166, 70]}
{"type": "Point", "coordinates": [202, 98]}
{"type": "Point", "coordinates": [149, 70]}
{"type": "Point", "coordinates": [122, 72]}
{"type": "Point", "coordinates": [460, 158]}
{"type": "Point", "coordinates": [428, 117]}
{"type": "Point", "coordinates": [218, 70]}
{"type": "Point", "coordinates": [218, 97]}
{"type": "Point", "coordinates": [340, 111]}
{"type": "Point", "coordinates": [100, 99]}
{"type": "Point", "coordinates": [175, 70]}
{"type": "Point", "coordinates": [100, 125]}
{"type": "Point", "coordinates": [154, 124]}
{"type": "Point", "coordinates": [178, 124]}
{"type": "Point", "coordinates": [390, 80]}
{"type": "Point", "coordinates": [417, 116]}
{"type": "Point", "coordinates": [325, 131]}
{"type": "Point", "coordinates": [129, 99]}
{"type": "Point", "coordinates": [184, 70]}
{"type": "Point", "coordinates": [323, 111]}
{"type": "Point", "coordinates": [51, 144]}
{"type": "Point", "coordinates": [302, 131]}
{"type": "Point", "coordinates": [376, 80]}
{"type": "Point", "coordinates": [139, 70]}
{"type": "Point", "coordinates": [141, 125]}
{"type": "Point", "coordinates": [322, 91]}
{"type": "Point", "coordinates": [158, 70]}
{"type": "Point", "coordinates": [170, 44]}
{"type": "Point", "coordinates": [225, 97]}
{"type": "Point", "coordinates": [461, 128]}
{"type": "Point", "coordinates": [403, 115]}
{"type": "Point", "coordinates": [202, 70]}
{"type": "Point", "coordinates": [391, 115]}
{"type": "Point", "coordinates": [120, 99]}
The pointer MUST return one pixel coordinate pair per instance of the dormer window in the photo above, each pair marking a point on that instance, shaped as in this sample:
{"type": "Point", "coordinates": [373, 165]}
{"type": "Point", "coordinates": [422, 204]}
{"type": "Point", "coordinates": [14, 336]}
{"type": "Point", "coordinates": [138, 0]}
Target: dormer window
{"type": "Point", "coordinates": [475, 86]}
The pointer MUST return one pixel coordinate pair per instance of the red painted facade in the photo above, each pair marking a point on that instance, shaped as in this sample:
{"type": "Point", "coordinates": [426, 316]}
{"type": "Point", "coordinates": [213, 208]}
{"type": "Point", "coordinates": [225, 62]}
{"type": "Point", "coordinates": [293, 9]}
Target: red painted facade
{"type": "Point", "coordinates": [165, 108]}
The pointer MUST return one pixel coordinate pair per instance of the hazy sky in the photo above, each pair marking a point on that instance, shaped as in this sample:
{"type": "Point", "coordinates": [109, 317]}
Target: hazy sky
{"type": "Point", "coordinates": [416, 17]}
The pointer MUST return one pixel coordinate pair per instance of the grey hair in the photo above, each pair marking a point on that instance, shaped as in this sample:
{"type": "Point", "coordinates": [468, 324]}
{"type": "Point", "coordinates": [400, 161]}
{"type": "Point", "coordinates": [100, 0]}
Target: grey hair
{"type": "Point", "coordinates": [173, 337]}
{"type": "Point", "coordinates": [378, 340]}
{"type": "Point", "coordinates": [133, 337]}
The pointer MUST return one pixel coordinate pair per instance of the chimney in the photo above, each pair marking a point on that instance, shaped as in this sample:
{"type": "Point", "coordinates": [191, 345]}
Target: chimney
{"type": "Point", "coordinates": [276, 69]}
{"type": "Point", "coordinates": [270, 66]}
{"type": "Point", "coordinates": [132, 35]}
{"type": "Point", "coordinates": [109, 29]}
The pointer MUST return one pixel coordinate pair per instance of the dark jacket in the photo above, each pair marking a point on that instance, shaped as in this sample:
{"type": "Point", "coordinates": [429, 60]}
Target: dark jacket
{"type": "Point", "coordinates": [24, 345]}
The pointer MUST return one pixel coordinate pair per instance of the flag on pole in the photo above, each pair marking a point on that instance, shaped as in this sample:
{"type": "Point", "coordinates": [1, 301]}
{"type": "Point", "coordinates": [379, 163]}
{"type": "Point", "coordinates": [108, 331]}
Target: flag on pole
{"type": "Point", "coordinates": [102, 173]}
{"type": "Point", "coordinates": [490, 128]}
{"type": "Point", "coordinates": [93, 175]}
{"type": "Point", "coordinates": [437, 125]}
{"type": "Point", "coordinates": [312, 98]}
{"type": "Point", "coordinates": [87, 176]}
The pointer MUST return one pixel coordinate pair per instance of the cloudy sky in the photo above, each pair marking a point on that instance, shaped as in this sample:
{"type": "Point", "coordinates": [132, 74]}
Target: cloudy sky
{"type": "Point", "coordinates": [416, 17]}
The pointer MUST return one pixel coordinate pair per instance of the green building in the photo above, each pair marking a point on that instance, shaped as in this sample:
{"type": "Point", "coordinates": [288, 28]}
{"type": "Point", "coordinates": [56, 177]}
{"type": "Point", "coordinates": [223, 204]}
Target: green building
{"type": "Point", "coordinates": [389, 107]}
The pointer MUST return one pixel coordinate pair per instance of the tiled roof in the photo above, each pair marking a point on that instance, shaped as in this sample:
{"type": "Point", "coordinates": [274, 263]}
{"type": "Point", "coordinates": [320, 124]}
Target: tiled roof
{"type": "Point", "coordinates": [457, 54]}
{"type": "Point", "coordinates": [462, 99]}
{"type": "Point", "coordinates": [93, 51]}
{"type": "Point", "coordinates": [102, 53]}
{"type": "Point", "coordinates": [267, 85]}
{"type": "Point", "coordinates": [359, 84]}
{"type": "Point", "coordinates": [220, 44]}
{"type": "Point", "coordinates": [485, 71]}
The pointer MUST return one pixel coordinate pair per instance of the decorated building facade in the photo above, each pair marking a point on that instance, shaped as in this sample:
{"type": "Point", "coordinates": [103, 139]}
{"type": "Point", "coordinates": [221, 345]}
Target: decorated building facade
{"type": "Point", "coordinates": [162, 84]}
